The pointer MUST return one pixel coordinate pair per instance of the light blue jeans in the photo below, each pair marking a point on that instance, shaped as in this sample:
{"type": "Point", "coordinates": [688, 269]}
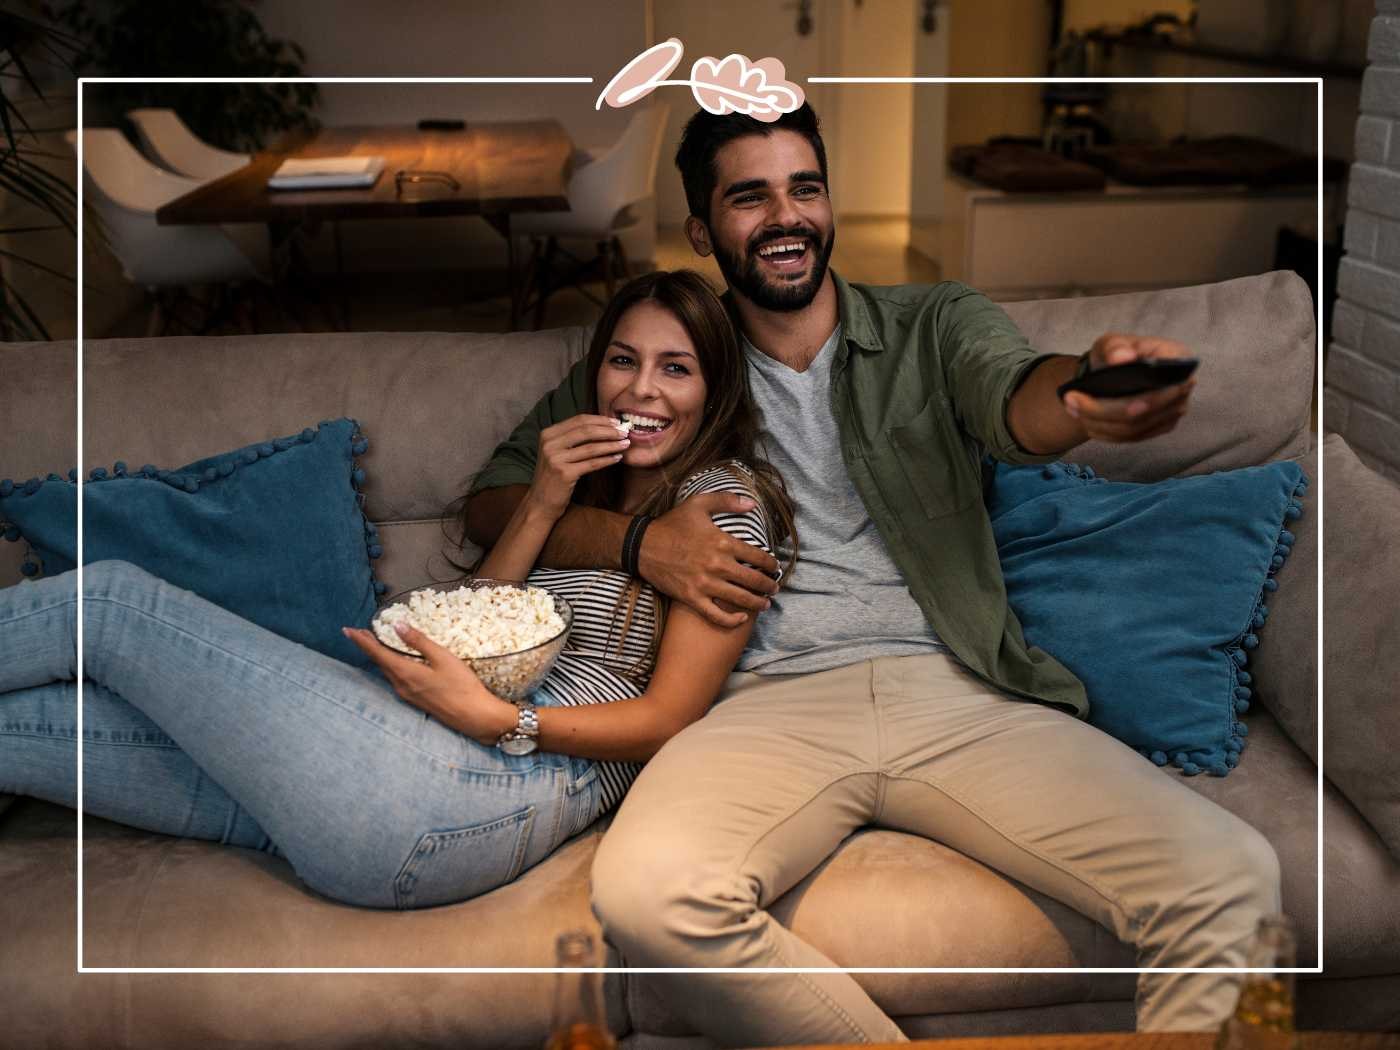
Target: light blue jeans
{"type": "Point", "coordinates": [201, 724]}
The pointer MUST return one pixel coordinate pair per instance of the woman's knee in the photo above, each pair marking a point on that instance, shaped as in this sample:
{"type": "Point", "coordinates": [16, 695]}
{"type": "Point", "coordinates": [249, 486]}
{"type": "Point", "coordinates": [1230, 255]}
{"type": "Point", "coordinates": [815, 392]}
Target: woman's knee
{"type": "Point", "coordinates": [101, 578]}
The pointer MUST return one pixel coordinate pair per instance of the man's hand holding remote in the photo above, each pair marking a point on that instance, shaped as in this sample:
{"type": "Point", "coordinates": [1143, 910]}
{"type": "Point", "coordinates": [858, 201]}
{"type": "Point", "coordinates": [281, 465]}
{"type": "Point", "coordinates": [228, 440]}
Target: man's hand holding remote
{"type": "Point", "coordinates": [1043, 424]}
{"type": "Point", "coordinates": [1140, 416]}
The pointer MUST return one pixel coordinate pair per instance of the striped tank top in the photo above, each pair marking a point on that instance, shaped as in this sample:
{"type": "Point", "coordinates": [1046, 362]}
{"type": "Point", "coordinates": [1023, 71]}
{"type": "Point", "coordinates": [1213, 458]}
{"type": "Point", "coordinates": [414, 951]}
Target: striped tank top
{"type": "Point", "coordinates": [602, 662]}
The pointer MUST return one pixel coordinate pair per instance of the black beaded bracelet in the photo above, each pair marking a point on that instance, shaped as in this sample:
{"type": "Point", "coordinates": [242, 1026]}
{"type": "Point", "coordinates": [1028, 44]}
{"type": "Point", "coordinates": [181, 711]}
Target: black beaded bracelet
{"type": "Point", "coordinates": [632, 544]}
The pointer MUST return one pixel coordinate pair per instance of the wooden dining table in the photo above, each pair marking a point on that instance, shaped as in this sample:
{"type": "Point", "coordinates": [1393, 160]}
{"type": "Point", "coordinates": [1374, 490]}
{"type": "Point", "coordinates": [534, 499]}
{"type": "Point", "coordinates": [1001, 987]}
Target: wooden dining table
{"type": "Point", "coordinates": [496, 169]}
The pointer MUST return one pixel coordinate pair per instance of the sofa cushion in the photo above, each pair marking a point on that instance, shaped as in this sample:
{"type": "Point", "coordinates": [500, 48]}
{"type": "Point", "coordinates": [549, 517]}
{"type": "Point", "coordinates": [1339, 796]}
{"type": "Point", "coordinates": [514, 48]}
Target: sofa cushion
{"type": "Point", "coordinates": [1361, 730]}
{"type": "Point", "coordinates": [1361, 923]}
{"type": "Point", "coordinates": [1275, 792]}
{"type": "Point", "coordinates": [416, 553]}
{"type": "Point", "coordinates": [152, 900]}
{"type": "Point", "coordinates": [438, 403]}
{"type": "Point", "coordinates": [435, 404]}
{"type": "Point", "coordinates": [12, 556]}
{"type": "Point", "coordinates": [38, 388]}
{"type": "Point", "coordinates": [1256, 340]}
{"type": "Point", "coordinates": [272, 532]}
{"type": "Point", "coordinates": [884, 899]}
{"type": "Point", "coordinates": [1152, 594]}
{"type": "Point", "coordinates": [201, 904]}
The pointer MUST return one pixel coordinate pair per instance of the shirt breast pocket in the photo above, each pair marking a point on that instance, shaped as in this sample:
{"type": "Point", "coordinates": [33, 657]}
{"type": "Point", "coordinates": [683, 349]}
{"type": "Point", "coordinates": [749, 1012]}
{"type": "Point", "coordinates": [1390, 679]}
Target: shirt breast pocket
{"type": "Point", "coordinates": [930, 456]}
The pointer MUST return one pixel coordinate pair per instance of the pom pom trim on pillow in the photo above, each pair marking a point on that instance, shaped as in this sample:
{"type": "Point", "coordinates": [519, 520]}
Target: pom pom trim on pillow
{"type": "Point", "coordinates": [1191, 763]}
{"type": "Point", "coordinates": [359, 444]}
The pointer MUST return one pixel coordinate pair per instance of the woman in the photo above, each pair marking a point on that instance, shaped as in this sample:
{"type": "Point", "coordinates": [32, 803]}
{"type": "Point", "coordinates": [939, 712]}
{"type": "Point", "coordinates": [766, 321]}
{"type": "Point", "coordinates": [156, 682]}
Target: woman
{"type": "Point", "coordinates": [199, 723]}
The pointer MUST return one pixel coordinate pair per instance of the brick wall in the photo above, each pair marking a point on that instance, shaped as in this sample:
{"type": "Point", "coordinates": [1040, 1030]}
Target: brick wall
{"type": "Point", "coordinates": [1362, 381]}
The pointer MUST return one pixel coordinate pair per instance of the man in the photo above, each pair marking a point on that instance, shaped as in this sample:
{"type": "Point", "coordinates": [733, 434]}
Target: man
{"type": "Point", "coordinates": [889, 683]}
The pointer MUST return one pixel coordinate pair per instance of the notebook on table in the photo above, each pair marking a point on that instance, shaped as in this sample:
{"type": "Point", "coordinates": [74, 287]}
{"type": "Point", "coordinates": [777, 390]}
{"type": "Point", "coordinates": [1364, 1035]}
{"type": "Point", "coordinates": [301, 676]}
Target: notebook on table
{"type": "Point", "coordinates": [323, 173]}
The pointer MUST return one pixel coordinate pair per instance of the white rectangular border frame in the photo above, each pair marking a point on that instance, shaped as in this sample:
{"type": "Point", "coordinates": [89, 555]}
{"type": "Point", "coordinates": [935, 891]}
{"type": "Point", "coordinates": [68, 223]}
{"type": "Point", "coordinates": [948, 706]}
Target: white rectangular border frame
{"type": "Point", "coordinates": [1318, 504]}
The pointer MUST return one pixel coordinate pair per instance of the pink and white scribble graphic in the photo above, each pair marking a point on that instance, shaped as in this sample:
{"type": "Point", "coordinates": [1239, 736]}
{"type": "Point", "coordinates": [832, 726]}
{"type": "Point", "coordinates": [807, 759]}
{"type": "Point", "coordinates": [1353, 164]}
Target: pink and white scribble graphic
{"type": "Point", "coordinates": [732, 84]}
{"type": "Point", "coordinates": [643, 75]}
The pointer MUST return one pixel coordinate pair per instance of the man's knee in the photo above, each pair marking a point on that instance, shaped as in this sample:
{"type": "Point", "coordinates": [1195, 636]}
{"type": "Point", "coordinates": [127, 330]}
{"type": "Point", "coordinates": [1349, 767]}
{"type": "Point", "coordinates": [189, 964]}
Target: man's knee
{"type": "Point", "coordinates": [654, 899]}
{"type": "Point", "coordinates": [1231, 865]}
{"type": "Point", "coordinates": [1256, 868]}
{"type": "Point", "coordinates": [624, 891]}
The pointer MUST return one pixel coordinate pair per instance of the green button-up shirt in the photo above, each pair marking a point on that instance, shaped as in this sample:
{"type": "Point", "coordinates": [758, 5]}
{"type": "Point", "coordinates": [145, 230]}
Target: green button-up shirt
{"type": "Point", "coordinates": [919, 387]}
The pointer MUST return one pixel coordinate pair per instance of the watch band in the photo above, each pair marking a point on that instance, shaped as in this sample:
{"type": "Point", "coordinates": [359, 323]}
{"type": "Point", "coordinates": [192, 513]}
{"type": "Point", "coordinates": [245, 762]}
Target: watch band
{"type": "Point", "coordinates": [632, 545]}
{"type": "Point", "coordinates": [527, 725]}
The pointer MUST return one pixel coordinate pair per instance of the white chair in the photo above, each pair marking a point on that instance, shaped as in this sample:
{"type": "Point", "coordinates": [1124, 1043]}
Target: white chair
{"type": "Point", "coordinates": [169, 141]}
{"type": "Point", "coordinates": [602, 195]}
{"type": "Point", "coordinates": [126, 189]}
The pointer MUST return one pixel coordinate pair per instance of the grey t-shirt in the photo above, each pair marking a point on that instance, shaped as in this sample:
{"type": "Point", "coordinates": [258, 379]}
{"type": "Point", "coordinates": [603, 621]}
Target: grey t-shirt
{"type": "Point", "coordinates": [845, 601]}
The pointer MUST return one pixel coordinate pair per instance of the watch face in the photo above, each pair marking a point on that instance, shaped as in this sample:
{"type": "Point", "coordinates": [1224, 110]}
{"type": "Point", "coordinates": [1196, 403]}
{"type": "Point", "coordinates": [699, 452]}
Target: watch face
{"type": "Point", "coordinates": [519, 745]}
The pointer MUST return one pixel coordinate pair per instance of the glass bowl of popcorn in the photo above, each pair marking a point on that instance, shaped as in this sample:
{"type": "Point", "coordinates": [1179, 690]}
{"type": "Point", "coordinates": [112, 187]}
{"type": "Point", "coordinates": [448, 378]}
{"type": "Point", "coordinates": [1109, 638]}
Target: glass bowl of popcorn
{"type": "Point", "coordinates": [510, 633]}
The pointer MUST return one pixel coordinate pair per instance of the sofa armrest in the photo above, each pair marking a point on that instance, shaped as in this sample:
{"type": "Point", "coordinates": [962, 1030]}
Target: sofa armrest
{"type": "Point", "coordinates": [1361, 616]}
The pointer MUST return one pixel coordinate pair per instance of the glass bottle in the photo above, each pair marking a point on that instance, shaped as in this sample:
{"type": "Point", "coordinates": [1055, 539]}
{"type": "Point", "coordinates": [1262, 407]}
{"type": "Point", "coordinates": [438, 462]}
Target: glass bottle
{"type": "Point", "coordinates": [580, 1022]}
{"type": "Point", "coordinates": [1263, 1017]}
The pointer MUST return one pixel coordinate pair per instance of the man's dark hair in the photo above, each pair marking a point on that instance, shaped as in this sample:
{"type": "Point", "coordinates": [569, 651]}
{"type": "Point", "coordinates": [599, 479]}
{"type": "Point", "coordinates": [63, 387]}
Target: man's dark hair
{"type": "Point", "coordinates": [706, 133]}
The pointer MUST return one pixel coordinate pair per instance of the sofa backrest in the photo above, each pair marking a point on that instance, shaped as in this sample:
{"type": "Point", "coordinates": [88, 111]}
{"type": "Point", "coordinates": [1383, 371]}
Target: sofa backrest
{"type": "Point", "coordinates": [434, 405]}
{"type": "Point", "coordinates": [1257, 341]}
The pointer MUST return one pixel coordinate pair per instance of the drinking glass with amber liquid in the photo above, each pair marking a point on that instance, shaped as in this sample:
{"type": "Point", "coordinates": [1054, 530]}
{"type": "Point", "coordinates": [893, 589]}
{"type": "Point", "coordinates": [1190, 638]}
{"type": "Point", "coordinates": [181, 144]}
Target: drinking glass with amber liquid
{"type": "Point", "coordinates": [580, 1022]}
{"type": "Point", "coordinates": [1263, 1017]}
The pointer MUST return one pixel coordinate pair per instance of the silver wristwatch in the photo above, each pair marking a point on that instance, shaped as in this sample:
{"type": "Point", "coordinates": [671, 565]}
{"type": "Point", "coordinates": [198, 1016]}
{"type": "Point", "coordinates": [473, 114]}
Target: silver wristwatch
{"type": "Point", "coordinates": [525, 737]}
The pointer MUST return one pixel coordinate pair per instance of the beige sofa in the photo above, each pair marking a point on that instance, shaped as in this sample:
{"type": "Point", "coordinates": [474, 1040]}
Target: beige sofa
{"type": "Point", "coordinates": [433, 406]}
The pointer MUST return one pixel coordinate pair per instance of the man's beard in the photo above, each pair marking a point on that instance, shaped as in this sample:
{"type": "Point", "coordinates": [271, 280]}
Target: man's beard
{"type": "Point", "coordinates": [745, 276]}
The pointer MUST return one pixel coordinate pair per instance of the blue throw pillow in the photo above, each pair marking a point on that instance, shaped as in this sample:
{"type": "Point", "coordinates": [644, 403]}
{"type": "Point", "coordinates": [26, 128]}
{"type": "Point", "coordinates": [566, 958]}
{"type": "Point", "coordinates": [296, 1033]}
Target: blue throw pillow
{"type": "Point", "coordinates": [274, 532]}
{"type": "Point", "coordinates": [1151, 594]}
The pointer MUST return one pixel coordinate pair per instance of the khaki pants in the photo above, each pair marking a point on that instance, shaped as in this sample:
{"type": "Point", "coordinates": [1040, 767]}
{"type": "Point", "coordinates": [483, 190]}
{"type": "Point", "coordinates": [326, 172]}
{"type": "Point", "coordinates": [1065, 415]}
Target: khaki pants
{"type": "Point", "coordinates": [746, 802]}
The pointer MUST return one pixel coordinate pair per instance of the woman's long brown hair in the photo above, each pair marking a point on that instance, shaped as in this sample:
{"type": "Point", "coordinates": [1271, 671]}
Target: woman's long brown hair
{"type": "Point", "coordinates": [729, 429]}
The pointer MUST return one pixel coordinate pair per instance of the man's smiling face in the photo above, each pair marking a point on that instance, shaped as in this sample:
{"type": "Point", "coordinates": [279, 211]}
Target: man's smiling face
{"type": "Point", "coordinates": [771, 227]}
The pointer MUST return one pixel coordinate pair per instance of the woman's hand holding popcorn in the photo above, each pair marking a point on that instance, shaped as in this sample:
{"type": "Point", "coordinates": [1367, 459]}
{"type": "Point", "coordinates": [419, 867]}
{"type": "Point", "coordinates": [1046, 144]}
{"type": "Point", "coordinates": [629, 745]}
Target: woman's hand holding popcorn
{"type": "Point", "coordinates": [440, 685]}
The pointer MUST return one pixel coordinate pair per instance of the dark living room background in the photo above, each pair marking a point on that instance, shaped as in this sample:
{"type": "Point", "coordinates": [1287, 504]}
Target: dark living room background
{"type": "Point", "coordinates": [920, 211]}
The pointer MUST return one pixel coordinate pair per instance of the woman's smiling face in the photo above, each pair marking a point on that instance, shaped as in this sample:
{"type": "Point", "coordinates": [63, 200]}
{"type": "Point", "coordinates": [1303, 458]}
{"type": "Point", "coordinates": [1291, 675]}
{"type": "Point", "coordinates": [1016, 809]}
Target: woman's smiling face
{"type": "Point", "coordinates": [651, 376]}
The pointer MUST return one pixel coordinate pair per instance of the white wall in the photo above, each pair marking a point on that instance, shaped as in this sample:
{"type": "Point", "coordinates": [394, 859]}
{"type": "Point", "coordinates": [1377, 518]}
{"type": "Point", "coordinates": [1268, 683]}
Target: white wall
{"type": "Point", "coordinates": [929, 145]}
{"type": "Point", "coordinates": [991, 38]}
{"type": "Point", "coordinates": [875, 121]}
